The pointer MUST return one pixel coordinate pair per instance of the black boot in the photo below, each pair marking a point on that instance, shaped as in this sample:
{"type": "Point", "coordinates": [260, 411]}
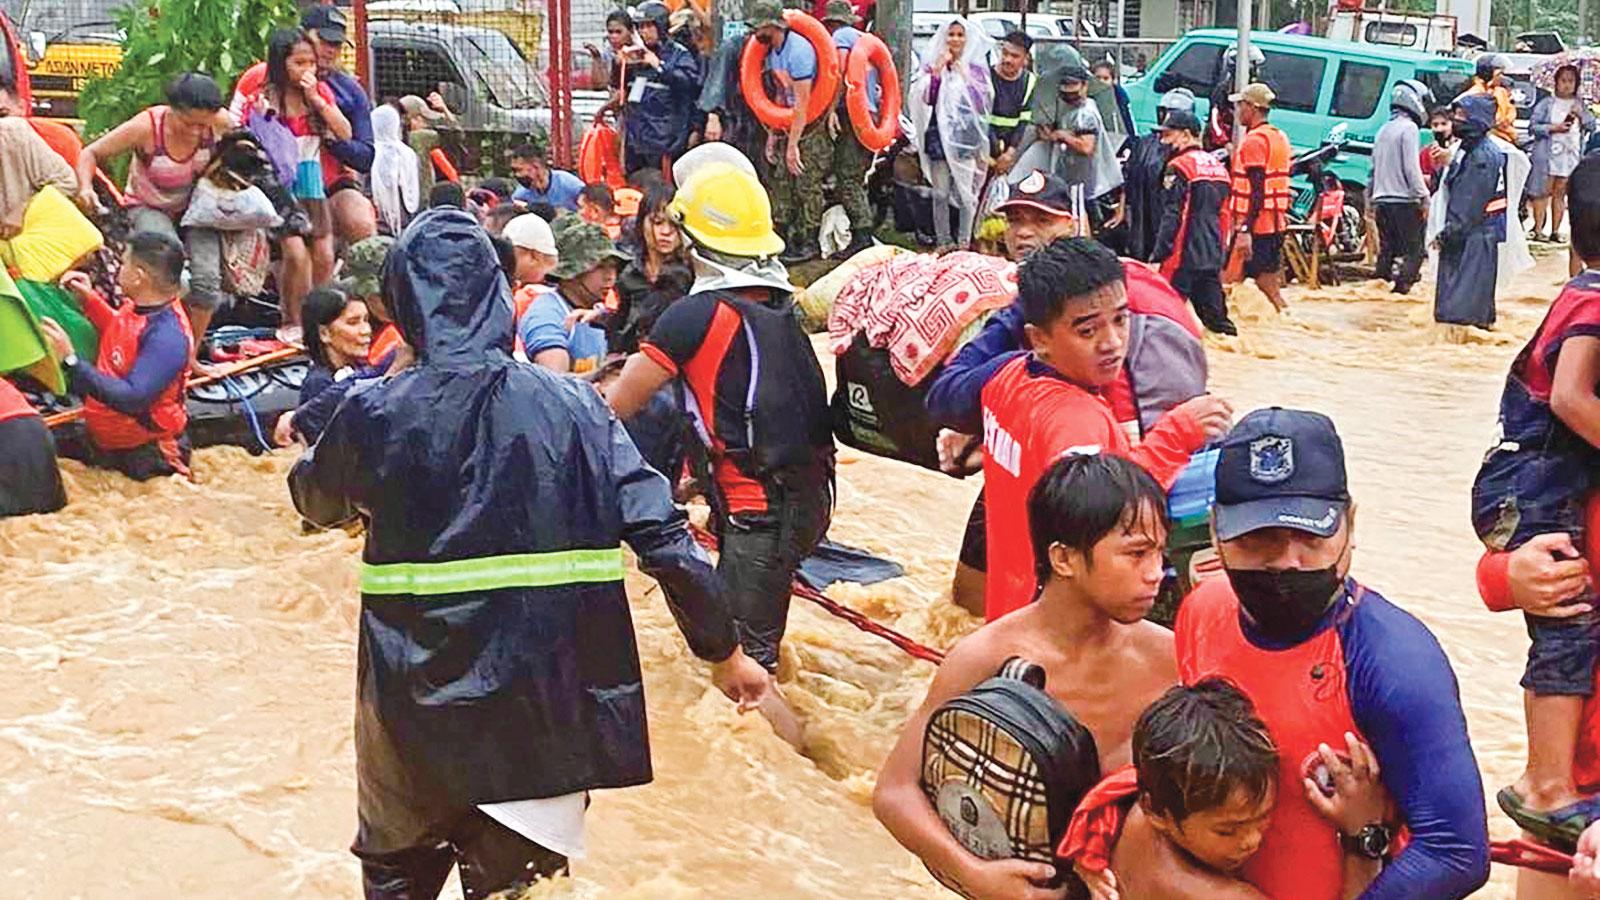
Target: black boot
{"type": "Point", "coordinates": [857, 244]}
{"type": "Point", "coordinates": [1223, 325]}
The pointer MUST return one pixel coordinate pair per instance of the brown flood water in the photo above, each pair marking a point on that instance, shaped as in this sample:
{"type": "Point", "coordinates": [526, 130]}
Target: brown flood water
{"type": "Point", "coordinates": [177, 661]}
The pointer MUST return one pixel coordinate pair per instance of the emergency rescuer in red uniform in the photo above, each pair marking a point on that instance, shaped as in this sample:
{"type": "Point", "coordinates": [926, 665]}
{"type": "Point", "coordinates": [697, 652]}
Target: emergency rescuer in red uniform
{"type": "Point", "coordinates": [29, 480]}
{"type": "Point", "coordinates": [1260, 204]}
{"type": "Point", "coordinates": [1050, 402]}
{"type": "Point", "coordinates": [133, 395]}
{"type": "Point", "coordinates": [1189, 243]}
{"type": "Point", "coordinates": [1321, 657]}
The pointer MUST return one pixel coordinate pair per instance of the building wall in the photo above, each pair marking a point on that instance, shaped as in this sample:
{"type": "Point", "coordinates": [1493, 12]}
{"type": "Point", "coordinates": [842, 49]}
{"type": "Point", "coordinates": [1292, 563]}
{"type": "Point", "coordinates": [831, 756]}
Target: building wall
{"type": "Point", "coordinates": [55, 16]}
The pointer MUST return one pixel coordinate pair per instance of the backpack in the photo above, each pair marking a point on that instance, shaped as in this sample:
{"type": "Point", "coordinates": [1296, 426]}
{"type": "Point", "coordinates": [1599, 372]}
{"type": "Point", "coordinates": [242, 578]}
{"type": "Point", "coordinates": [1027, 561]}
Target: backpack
{"type": "Point", "coordinates": [786, 415]}
{"type": "Point", "coordinates": [1004, 765]}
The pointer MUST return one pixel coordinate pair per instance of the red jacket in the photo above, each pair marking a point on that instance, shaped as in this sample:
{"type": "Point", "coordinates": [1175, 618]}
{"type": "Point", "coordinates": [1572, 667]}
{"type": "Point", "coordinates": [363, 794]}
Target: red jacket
{"type": "Point", "coordinates": [120, 330]}
{"type": "Point", "coordinates": [1032, 417]}
{"type": "Point", "coordinates": [13, 405]}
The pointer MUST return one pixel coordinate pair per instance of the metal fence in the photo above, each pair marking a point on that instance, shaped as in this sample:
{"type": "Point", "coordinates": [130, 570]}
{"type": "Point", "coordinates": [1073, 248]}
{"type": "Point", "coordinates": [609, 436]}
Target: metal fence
{"type": "Point", "coordinates": [490, 61]}
{"type": "Point", "coordinates": [1132, 56]}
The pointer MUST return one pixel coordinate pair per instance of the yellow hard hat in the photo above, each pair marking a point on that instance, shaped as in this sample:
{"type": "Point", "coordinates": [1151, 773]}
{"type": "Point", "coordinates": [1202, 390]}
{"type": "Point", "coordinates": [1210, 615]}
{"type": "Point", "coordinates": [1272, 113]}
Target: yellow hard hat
{"type": "Point", "coordinates": [724, 208]}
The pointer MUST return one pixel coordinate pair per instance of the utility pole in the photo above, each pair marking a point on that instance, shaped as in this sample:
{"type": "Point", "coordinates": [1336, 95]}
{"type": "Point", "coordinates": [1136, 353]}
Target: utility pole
{"type": "Point", "coordinates": [894, 27]}
{"type": "Point", "coordinates": [1241, 67]}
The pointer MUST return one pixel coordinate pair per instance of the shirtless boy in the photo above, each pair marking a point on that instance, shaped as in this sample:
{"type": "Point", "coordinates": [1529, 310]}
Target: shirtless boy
{"type": "Point", "coordinates": [1098, 525]}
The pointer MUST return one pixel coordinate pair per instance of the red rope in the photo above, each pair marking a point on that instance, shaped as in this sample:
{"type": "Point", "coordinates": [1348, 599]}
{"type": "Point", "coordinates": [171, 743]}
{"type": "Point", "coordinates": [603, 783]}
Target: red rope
{"type": "Point", "coordinates": [1528, 855]}
{"type": "Point", "coordinates": [858, 619]}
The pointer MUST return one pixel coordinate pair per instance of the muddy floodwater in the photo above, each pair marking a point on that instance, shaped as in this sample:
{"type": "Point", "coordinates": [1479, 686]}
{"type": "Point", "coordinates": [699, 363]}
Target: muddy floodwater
{"type": "Point", "coordinates": [177, 661]}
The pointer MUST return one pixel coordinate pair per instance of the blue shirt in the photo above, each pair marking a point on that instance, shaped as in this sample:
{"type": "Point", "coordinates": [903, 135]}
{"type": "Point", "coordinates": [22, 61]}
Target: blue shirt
{"type": "Point", "coordinates": [351, 98]}
{"type": "Point", "coordinates": [796, 58]}
{"type": "Point", "coordinates": [562, 191]}
{"type": "Point", "coordinates": [543, 327]}
{"type": "Point", "coordinates": [845, 38]}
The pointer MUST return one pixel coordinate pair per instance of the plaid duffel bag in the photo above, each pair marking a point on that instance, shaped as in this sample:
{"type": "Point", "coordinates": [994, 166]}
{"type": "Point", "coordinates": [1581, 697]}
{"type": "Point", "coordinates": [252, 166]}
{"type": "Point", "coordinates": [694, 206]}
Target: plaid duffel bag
{"type": "Point", "coordinates": [1005, 765]}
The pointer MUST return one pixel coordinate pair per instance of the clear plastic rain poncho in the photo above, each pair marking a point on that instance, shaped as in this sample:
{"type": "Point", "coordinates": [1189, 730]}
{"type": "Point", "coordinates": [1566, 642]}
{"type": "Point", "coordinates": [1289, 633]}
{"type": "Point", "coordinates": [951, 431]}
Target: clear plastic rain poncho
{"type": "Point", "coordinates": [963, 102]}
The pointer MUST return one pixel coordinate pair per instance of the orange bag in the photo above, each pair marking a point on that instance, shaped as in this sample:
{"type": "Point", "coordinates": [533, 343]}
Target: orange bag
{"type": "Point", "coordinates": [870, 50]}
{"type": "Point", "coordinates": [823, 87]}
{"type": "Point", "coordinates": [600, 157]}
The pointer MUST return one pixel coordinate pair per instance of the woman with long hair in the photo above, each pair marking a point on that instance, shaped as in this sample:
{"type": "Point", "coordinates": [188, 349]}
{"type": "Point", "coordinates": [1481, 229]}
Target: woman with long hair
{"type": "Point", "coordinates": [1560, 124]}
{"type": "Point", "coordinates": [337, 335]}
{"type": "Point", "coordinates": [658, 275]}
{"type": "Point", "coordinates": [305, 106]}
{"type": "Point", "coordinates": [950, 99]}
{"type": "Point", "coordinates": [171, 144]}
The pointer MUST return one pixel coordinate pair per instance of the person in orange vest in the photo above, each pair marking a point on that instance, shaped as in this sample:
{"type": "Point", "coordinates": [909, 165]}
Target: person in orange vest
{"type": "Point", "coordinates": [1189, 243]}
{"type": "Point", "coordinates": [362, 279]}
{"type": "Point", "coordinates": [29, 480]}
{"type": "Point", "coordinates": [133, 406]}
{"type": "Point", "coordinates": [1260, 203]}
{"type": "Point", "coordinates": [1490, 79]}
{"type": "Point", "coordinates": [534, 246]}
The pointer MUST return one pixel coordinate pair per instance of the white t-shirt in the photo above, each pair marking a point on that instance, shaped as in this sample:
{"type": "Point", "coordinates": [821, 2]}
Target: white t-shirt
{"type": "Point", "coordinates": [1565, 148]}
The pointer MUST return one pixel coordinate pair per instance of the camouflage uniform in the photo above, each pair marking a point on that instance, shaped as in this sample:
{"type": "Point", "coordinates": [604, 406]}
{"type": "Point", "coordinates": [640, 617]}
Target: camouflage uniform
{"type": "Point", "coordinates": [581, 246]}
{"type": "Point", "coordinates": [850, 159]}
{"type": "Point", "coordinates": [363, 266]}
{"type": "Point", "coordinates": [796, 199]}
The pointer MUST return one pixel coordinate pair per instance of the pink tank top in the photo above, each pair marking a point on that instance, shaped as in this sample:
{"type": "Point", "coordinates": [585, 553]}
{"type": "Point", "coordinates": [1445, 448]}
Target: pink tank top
{"type": "Point", "coordinates": [162, 181]}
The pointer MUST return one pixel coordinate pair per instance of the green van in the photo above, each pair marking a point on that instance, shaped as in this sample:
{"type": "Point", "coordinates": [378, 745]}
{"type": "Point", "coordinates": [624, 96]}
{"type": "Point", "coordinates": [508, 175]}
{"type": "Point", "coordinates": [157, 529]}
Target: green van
{"type": "Point", "coordinates": [1320, 83]}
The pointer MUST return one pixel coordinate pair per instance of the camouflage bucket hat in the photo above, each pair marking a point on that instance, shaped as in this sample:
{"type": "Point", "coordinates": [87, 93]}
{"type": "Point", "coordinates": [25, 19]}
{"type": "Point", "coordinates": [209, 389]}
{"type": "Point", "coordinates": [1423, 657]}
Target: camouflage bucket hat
{"type": "Point", "coordinates": [580, 247]}
{"type": "Point", "coordinates": [363, 265]}
{"type": "Point", "coordinates": [840, 11]}
{"type": "Point", "coordinates": [764, 12]}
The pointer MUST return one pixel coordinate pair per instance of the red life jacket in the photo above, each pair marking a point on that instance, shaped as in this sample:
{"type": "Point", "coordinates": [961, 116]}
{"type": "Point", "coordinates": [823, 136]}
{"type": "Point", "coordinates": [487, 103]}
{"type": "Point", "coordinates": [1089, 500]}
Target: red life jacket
{"type": "Point", "coordinates": [1302, 695]}
{"type": "Point", "coordinates": [386, 341]}
{"type": "Point", "coordinates": [13, 405]}
{"type": "Point", "coordinates": [167, 416]}
{"type": "Point", "coordinates": [1195, 167]}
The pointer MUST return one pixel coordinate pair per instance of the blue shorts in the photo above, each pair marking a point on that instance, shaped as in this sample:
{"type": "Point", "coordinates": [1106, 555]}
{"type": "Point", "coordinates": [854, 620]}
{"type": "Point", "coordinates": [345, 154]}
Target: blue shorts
{"type": "Point", "coordinates": [1562, 655]}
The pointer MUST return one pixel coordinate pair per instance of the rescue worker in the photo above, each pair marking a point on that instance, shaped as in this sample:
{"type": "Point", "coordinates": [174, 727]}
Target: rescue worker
{"type": "Point", "coordinates": [1166, 362]}
{"type": "Point", "coordinates": [134, 392]}
{"type": "Point", "coordinates": [1259, 206]}
{"type": "Point", "coordinates": [798, 171]}
{"type": "Point", "coordinates": [1013, 80]}
{"type": "Point", "coordinates": [30, 482]}
{"type": "Point", "coordinates": [1321, 656]}
{"type": "Point", "coordinates": [1490, 79]}
{"type": "Point", "coordinates": [1189, 245]}
{"type": "Point", "coordinates": [1042, 405]}
{"type": "Point", "coordinates": [498, 675]}
{"type": "Point", "coordinates": [850, 158]}
{"type": "Point", "coordinates": [363, 280]}
{"type": "Point", "coordinates": [558, 329]}
{"type": "Point", "coordinates": [1219, 130]}
{"type": "Point", "coordinates": [664, 80]}
{"type": "Point", "coordinates": [1475, 219]}
{"type": "Point", "coordinates": [1399, 191]}
{"type": "Point", "coordinates": [1143, 172]}
{"type": "Point", "coordinates": [753, 386]}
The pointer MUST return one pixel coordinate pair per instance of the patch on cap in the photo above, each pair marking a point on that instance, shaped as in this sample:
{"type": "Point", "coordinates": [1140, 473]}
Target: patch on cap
{"type": "Point", "coordinates": [1033, 184]}
{"type": "Point", "coordinates": [1271, 459]}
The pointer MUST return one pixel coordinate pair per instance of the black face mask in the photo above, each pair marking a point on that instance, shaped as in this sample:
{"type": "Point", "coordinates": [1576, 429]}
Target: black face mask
{"type": "Point", "coordinates": [525, 180]}
{"type": "Point", "coordinates": [1441, 136]}
{"type": "Point", "coordinates": [1286, 605]}
{"type": "Point", "coordinates": [765, 39]}
{"type": "Point", "coordinates": [1468, 131]}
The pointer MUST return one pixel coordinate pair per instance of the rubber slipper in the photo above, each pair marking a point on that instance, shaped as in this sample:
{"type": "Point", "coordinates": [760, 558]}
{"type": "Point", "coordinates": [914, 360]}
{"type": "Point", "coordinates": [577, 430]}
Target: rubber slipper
{"type": "Point", "coordinates": [1559, 827]}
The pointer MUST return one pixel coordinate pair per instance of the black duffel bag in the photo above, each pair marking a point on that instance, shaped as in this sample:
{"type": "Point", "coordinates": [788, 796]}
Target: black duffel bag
{"type": "Point", "coordinates": [874, 411]}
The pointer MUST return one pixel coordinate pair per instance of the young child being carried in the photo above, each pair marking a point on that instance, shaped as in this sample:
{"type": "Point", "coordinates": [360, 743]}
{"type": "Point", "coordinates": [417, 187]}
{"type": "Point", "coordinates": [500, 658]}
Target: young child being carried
{"type": "Point", "coordinates": [1193, 807]}
{"type": "Point", "coordinates": [1535, 480]}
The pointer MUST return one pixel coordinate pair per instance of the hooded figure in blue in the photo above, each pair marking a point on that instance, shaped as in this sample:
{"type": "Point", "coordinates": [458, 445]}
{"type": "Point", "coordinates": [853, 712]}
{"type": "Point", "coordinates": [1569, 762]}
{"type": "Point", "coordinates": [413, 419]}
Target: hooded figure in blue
{"type": "Point", "coordinates": [1475, 219]}
{"type": "Point", "coordinates": [664, 84]}
{"type": "Point", "coordinates": [497, 660]}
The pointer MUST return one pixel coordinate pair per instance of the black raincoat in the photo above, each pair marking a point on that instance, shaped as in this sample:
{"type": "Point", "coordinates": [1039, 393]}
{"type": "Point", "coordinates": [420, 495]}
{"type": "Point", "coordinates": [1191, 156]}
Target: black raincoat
{"type": "Point", "coordinates": [1142, 185]}
{"type": "Point", "coordinates": [1474, 225]}
{"type": "Point", "coordinates": [497, 658]}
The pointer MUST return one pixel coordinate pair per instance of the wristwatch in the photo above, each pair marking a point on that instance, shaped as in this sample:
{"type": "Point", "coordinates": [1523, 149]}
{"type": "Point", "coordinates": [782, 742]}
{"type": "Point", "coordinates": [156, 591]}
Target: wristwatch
{"type": "Point", "coordinates": [70, 360]}
{"type": "Point", "coordinates": [1372, 841]}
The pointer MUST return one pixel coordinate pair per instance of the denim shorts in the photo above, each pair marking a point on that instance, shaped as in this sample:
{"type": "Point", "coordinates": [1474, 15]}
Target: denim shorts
{"type": "Point", "coordinates": [1562, 656]}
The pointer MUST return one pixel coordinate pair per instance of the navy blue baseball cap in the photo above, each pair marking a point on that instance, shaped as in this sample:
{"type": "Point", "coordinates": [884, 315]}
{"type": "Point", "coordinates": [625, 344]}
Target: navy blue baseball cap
{"type": "Point", "coordinates": [1281, 468]}
{"type": "Point", "coordinates": [327, 20]}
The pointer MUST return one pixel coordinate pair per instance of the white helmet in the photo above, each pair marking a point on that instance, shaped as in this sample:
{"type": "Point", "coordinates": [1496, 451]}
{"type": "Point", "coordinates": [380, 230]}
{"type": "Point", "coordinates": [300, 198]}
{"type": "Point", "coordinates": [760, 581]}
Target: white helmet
{"type": "Point", "coordinates": [1176, 99]}
{"type": "Point", "coordinates": [1231, 57]}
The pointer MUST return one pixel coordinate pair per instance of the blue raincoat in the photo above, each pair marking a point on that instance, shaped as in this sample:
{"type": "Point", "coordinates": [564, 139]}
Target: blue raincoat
{"type": "Point", "coordinates": [1474, 225]}
{"type": "Point", "coordinates": [659, 120]}
{"type": "Point", "coordinates": [497, 658]}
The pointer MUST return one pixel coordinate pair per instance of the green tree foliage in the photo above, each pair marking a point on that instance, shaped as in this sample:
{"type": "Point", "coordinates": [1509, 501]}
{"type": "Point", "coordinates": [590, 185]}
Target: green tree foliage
{"type": "Point", "coordinates": [165, 38]}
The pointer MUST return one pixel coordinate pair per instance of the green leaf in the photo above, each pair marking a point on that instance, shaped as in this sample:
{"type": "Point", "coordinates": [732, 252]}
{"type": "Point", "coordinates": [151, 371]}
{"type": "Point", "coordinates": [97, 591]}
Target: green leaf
{"type": "Point", "coordinates": [156, 60]}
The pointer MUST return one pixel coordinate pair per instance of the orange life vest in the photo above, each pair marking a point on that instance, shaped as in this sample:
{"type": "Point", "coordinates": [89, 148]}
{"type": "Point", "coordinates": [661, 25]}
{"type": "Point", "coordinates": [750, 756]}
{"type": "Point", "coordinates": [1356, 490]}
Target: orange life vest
{"type": "Point", "coordinates": [1264, 147]}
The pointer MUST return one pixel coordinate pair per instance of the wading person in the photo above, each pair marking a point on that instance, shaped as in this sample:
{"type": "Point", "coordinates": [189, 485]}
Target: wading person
{"type": "Point", "coordinates": [498, 678]}
{"type": "Point", "coordinates": [1261, 191]}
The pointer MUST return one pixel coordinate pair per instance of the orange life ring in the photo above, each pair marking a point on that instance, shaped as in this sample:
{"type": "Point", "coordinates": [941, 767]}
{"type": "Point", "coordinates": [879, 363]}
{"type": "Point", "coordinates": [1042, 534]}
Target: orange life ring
{"type": "Point", "coordinates": [823, 88]}
{"type": "Point", "coordinates": [598, 157]}
{"type": "Point", "coordinates": [446, 168]}
{"type": "Point", "coordinates": [870, 50]}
